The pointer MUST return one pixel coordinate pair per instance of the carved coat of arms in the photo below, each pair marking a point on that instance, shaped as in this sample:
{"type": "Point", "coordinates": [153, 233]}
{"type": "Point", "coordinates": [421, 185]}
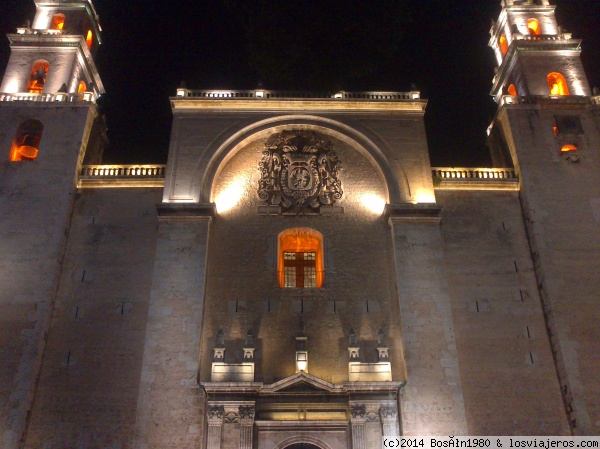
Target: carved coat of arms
{"type": "Point", "coordinates": [299, 172]}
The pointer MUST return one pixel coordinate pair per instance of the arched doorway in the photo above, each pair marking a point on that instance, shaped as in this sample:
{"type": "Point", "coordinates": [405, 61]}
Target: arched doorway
{"type": "Point", "coordinates": [302, 446]}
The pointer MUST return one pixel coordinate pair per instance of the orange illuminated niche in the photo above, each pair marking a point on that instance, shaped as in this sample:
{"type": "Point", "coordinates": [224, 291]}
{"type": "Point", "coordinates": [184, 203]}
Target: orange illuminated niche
{"type": "Point", "coordinates": [534, 27]}
{"type": "Point", "coordinates": [512, 90]}
{"type": "Point", "coordinates": [82, 87]}
{"type": "Point", "coordinates": [58, 22]}
{"type": "Point", "coordinates": [567, 148]}
{"type": "Point", "coordinates": [89, 39]}
{"type": "Point", "coordinates": [300, 258]}
{"type": "Point", "coordinates": [503, 44]}
{"type": "Point", "coordinates": [37, 77]}
{"type": "Point", "coordinates": [557, 84]}
{"type": "Point", "coordinates": [27, 141]}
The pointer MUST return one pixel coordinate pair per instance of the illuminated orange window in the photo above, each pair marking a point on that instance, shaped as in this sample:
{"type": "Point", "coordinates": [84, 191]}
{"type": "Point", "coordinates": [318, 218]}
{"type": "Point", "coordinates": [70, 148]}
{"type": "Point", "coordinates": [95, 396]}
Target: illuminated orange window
{"type": "Point", "coordinates": [555, 129]}
{"type": "Point", "coordinates": [567, 148]}
{"type": "Point", "coordinates": [58, 22]}
{"type": "Point", "coordinates": [27, 141]}
{"type": "Point", "coordinates": [89, 39]}
{"type": "Point", "coordinates": [512, 90]}
{"type": "Point", "coordinates": [557, 84]}
{"type": "Point", "coordinates": [300, 261]}
{"type": "Point", "coordinates": [82, 87]}
{"type": "Point", "coordinates": [534, 27]}
{"type": "Point", "coordinates": [37, 77]}
{"type": "Point", "coordinates": [503, 44]}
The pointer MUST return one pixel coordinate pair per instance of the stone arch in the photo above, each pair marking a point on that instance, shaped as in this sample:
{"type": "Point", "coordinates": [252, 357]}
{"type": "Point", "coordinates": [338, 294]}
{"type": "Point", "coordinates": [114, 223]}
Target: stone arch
{"type": "Point", "coordinates": [300, 439]}
{"type": "Point", "coordinates": [224, 148]}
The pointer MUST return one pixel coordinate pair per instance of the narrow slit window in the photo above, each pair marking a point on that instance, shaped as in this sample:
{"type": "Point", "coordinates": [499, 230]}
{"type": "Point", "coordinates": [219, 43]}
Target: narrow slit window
{"type": "Point", "coordinates": [503, 45]}
{"type": "Point", "coordinates": [89, 39]}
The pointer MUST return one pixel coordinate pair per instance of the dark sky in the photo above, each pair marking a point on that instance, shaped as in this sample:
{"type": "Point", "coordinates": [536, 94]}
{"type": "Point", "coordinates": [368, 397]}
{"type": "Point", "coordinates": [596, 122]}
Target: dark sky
{"type": "Point", "coordinates": [441, 46]}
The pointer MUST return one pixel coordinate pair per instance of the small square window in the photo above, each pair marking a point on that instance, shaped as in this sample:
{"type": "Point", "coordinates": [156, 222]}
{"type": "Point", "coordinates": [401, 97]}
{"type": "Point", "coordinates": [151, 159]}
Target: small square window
{"type": "Point", "coordinates": [568, 124]}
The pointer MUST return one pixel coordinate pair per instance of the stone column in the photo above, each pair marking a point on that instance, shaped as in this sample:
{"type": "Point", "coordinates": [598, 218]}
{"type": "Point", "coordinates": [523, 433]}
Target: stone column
{"type": "Point", "coordinates": [246, 426]}
{"type": "Point", "coordinates": [432, 402]}
{"type": "Point", "coordinates": [170, 402]}
{"type": "Point", "coordinates": [389, 419]}
{"type": "Point", "coordinates": [358, 414]}
{"type": "Point", "coordinates": [215, 426]}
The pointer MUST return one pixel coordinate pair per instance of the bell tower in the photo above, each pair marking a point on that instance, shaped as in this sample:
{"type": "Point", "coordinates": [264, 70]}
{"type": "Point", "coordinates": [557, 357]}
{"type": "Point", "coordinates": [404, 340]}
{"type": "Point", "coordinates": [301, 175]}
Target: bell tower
{"type": "Point", "coordinates": [548, 127]}
{"type": "Point", "coordinates": [535, 56]}
{"type": "Point", "coordinates": [52, 59]}
{"type": "Point", "coordinates": [49, 123]}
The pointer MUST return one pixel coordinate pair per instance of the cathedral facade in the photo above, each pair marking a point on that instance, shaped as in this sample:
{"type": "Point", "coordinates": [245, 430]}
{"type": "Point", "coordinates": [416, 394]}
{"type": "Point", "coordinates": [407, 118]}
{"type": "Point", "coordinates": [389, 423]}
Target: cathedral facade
{"type": "Point", "coordinates": [297, 275]}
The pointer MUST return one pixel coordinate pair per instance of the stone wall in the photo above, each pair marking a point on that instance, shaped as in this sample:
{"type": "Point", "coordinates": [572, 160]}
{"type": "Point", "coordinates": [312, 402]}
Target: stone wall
{"type": "Point", "coordinates": [506, 365]}
{"type": "Point", "coordinates": [36, 205]}
{"type": "Point", "coordinates": [88, 387]}
{"type": "Point", "coordinates": [560, 197]}
{"type": "Point", "coordinates": [242, 288]}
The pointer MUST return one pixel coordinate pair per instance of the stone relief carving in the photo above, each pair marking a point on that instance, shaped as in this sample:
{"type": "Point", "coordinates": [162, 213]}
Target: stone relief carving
{"type": "Point", "coordinates": [372, 417]}
{"type": "Point", "coordinates": [299, 172]}
{"type": "Point", "coordinates": [247, 412]}
{"type": "Point", "coordinates": [388, 412]}
{"type": "Point", "coordinates": [216, 412]}
{"type": "Point", "coordinates": [231, 418]}
{"type": "Point", "coordinates": [358, 410]}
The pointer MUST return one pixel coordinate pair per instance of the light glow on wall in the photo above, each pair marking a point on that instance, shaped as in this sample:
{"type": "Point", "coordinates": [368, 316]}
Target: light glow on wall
{"type": "Point", "coordinates": [12, 87]}
{"type": "Point", "coordinates": [425, 196]}
{"type": "Point", "coordinates": [231, 195]}
{"type": "Point", "coordinates": [373, 202]}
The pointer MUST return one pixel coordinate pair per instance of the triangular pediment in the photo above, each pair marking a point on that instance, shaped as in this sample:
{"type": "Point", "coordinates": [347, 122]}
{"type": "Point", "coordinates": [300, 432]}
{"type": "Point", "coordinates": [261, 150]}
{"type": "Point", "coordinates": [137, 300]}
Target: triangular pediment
{"type": "Point", "coordinates": [302, 383]}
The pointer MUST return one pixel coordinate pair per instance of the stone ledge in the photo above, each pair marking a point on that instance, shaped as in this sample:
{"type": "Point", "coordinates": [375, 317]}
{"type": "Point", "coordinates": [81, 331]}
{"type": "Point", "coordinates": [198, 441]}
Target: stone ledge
{"type": "Point", "coordinates": [413, 213]}
{"type": "Point", "coordinates": [185, 211]}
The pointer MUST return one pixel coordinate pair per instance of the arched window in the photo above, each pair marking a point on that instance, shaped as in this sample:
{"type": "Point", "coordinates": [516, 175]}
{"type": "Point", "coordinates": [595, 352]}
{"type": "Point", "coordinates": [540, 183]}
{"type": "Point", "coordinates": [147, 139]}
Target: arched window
{"type": "Point", "coordinates": [82, 87]}
{"type": "Point", "coordinates": [27, 141]}
{"type": "Point", "coordinates": [58, 22]}
{"type": "Point", "coordinates": [567, 148]}
{"type": "Point", "coordinates": [557, 84]}
{"type": "Point", "coordinates": [89, 38]}
{"type": "Point", "coordinates": [300, 258]}
{"type": "Point", "coordinates": [503, 45]}
{"type": "Point", "coordinates": [37, 77]}
{"type": "Point", "coordinates": [512, 90]}
{"type": "Point", "coordinates": [534, 27]}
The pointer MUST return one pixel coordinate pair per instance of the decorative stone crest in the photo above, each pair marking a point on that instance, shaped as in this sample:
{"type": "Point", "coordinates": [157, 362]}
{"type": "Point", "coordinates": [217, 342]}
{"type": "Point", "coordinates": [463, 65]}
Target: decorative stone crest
{"type": "Point", "coordinates": [299, 172]}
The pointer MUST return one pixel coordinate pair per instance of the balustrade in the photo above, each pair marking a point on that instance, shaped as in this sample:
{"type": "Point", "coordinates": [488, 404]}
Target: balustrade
{"type": "Point", "coordinates": [48, 98]}
{"type": "Point", "coordinates": [279, 94]}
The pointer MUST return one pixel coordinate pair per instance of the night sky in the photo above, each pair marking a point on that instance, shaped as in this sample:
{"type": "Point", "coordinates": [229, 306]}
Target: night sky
{"type": "Point", "coordinates": [149, 47]}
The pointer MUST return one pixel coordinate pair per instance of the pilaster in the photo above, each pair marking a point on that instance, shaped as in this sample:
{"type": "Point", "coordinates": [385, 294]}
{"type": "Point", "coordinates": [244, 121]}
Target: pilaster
{"type": "Point", "coordinates": [170, 401]}
{"type": "Point", "coordinates": [358, 418]}
{"type": "Point", "coordinates": [247, 413]}
{"type": "Point", "coordinates": [432, 400]}
{"type": "Point", "coordinates": [215, 426]}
